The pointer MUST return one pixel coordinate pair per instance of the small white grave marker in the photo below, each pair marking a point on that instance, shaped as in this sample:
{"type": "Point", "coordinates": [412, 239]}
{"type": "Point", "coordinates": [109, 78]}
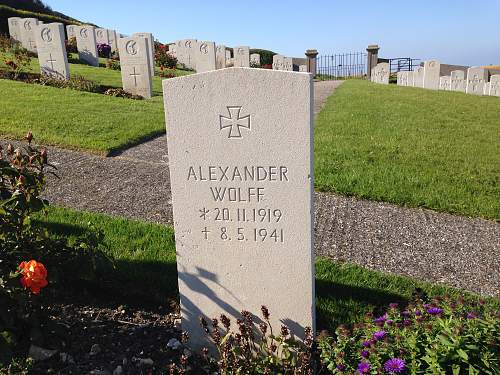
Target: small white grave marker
{"type": "Point", "coordinates": [135, 67]}
{"type": "Point", "coordinates": [241, 57]}
{"type": "Point", "coordinates": [86, 43]}
{"type": "Point", "coordinates": [51, 50]}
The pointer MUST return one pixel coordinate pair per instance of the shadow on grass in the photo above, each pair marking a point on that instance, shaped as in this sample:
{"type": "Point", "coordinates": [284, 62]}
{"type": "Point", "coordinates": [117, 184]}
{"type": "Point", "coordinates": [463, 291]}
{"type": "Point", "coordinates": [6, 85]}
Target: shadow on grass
{"type": "Point", "coordinates": [344, 304]}
{"type": "Point", "coordinates": [138, 283]}
{"type": "Point", "coordinates": [117, 151]}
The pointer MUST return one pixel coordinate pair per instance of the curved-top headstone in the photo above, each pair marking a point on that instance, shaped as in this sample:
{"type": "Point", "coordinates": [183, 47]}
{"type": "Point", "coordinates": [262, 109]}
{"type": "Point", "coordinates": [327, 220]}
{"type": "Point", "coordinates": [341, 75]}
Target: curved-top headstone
{"type": "Point", "coordinates": [86, 43]}
{"type": "Point", "coordinates": [241, 57]}
{"type": "Point", "coordinates": [457, 80]}
{"type": "Point", "coordinates": [494, 85]}
{"type": "Point", "coordinates": [51, 50]}
{"type": "Point", "coordinates": [432, 70]}
{"type": "Point", "coordinates": [205, 57]}
{"type": "Point", "coordinates": [14, 24]}
{"type": "Point", "coordinates": [135, 66]}
{"type": "Point", "coordinates": [477, 77]}
{"type": "Point", "coordinates": [151, 49]}
{"type": "Point", "coordinates": [28, 33]}
{"type": "Point", "coordinates": [240, 152]}
{"type": "Point", "coordinates": [220, 56]}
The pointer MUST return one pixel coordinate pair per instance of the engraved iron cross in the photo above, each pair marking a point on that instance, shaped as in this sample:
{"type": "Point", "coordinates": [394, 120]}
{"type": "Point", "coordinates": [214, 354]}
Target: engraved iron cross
{"type": "Point", "coordinates": [234, 122]}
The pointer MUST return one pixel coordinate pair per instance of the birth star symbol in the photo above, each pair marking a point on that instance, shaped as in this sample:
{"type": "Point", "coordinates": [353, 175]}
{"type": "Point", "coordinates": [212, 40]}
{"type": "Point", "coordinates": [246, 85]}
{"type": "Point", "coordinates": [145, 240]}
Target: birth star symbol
{"type": "Point", "coordinates": [203, 213]}
{"type": "Point", "coordinates": [205, 232]}
{"type": "Point", "coordinates": [234, 122]}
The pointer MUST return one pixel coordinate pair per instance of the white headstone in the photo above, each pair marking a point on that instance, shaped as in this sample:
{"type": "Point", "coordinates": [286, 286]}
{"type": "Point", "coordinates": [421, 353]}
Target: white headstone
{"type": "Point", "coordinates": [101, 36]}
{"type": "Point", "coordinates": [400, 78]}
{"type": "Point", "coordinates": [205, 59]}
{"type": "Point", "coordinates": [382, 74]}
{"type": "Point", "coordinates": [113, 40]}
{"type": "Point", "coordinates": [418, 77]}
{"type": "Point", "coordinates": [51, 49]}
{"type": "Point", "coordinates": [71, 31]}
{"type": "Point", "coordinates": [220, 56]}
{"type": "Point", "coordinates": [494, 85]}
{"type": "Point", "coordinates": [241, 57]}
{"type": "Point", "coordinates": [278, 62]}
{"type": "Point", "coordinates": [445, 83]}
{"type": "Point", "coordinates": [135, 66]}
{"type": "Point", "coordinates": [476, 79]}
{"type": "Point", "coordinates": [409, 78]}
{"type": "Point", "coordinates": [255, 59]}
{"type": "Point", "coordinates": [303, 68]}
{"type": "Point", "coordinates": [86, 43]}
{"type": "Point", "coordinates": [431, 74]}
{"type": "Point", "coordinates": [242, 188]}
{"type": "Point", "coordinates": [457, 81]}
{"type": "Point", "coordinates": [28, 33]}
{"type": "Point", "coordinates": [151, 49]}
{"type": "Point", "coordinates": [287, 64]}
{"type": "Point", "coordinates": [228, 58]}
{"type": "Point", "coordinates": [186, 52]}
{"type": "Point", "coordinates": [14, 24]}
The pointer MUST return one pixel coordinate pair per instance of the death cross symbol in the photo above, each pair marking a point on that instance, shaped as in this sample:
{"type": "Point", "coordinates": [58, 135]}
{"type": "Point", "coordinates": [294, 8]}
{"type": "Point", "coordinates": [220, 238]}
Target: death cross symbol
{"type": "Point", "coordinates": [135, 75]}
{"type": "Point", "coordinates": [234, 122]}
{"type": "Point", "coordinates": [51, 61]}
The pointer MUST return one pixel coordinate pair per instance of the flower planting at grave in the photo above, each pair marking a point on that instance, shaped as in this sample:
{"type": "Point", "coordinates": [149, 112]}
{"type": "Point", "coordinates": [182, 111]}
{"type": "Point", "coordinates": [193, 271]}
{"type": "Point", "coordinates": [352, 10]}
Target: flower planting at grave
{"type": "Point", "coordinates": [164, 59]}
{"type": "Point", "coordinates": [104, 50]}
{"type": "Point", "coordinates": [442, 335]}
{"type": "Point", "coordinates": [28, 254]}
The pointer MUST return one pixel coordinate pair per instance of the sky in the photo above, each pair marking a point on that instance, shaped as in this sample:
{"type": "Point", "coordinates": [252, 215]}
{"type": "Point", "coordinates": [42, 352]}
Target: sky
{"type": "Point", "coordinates": [454, 32]}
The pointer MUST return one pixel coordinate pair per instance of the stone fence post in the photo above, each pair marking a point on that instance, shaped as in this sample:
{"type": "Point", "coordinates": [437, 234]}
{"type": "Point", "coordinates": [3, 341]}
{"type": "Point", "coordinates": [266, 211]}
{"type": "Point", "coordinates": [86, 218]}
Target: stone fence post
{"type": "Point", "coordinates": [311, 61]}
{"type": "Point", "coordinates": [372, 59]}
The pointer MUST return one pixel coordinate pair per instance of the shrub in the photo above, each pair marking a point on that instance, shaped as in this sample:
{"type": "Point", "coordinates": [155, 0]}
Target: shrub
{"type": "Point", "coordinates": [6, 43]}
{"type": "Point", "coordinates": [167, 72]}
{"type": "Point", "coordinates": [28, 254]}
{"type": "Point", "coordinates": [113, 64]}
{"type": "Point", "coordinates": [104, 50]}
{"type": "Point", "coordinates": [163, 57]}
{"type": "Point", "coordinates": [117, 92]}
{"type": "Point", "coordinates": [71, 46]}
{"type": "Point", "coordinates": [17, 61]}
{"type": "Point", "coordinates": [266, 56]}
{"type": "Point", "coordinates": [76, 82]}
{"type": "Point", "coordinates": [441, 337]}
{"type": "Point", "coordinates": [255, 348]}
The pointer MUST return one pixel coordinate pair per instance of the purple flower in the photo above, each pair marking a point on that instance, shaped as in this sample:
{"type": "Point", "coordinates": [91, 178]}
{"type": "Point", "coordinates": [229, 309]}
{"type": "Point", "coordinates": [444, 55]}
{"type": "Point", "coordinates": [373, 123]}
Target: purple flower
{"type": "Point", "coordinates": [340, 367]}
{"type": "Point", "coordinates": [405, 313]}
{"type": "Point", "coordinates": [389, 322]}
{"type": "Point", "coordinates": [471, 315]}
{"type": "Point", "coordinates": [380, 319]}
{"type": "Point", "coordinates": [379, 335]}
{"type": "Point", "coordinates": [364, 367]}
{"type": "Point", "coordinates": [367, 343]}
{"type": "Point", "coordinates": [393, 305]}
{"type": "Point", "coordinates": [407, 322]}
{"type": "Point", "coordinates": [418, 313]}
{"type": "Point", "coordinates": [434, 310]}
{"type": "Point", "coordinates": [365, 353]}
{"type": "Point", "coordinates": [394, 366]}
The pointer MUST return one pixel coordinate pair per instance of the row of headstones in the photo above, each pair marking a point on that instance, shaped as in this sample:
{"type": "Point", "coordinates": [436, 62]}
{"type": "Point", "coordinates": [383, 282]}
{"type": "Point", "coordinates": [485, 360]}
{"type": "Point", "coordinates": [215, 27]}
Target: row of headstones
{"type": "Point", "coordinates": [204, 56]}
{"type": "Point", "coordinates": [48, 41]}
{"type": "Point", "coordinates": [428, 77]}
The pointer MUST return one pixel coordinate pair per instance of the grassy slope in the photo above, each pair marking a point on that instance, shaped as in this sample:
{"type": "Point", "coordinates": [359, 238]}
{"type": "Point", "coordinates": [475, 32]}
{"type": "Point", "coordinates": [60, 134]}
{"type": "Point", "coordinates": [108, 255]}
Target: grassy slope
{"type": "Point", "coordinates": [78, 119]}
{"type": "Point", "coordinates": [145, 255]}
{"type": "Point", "coordinates": [412, 147]}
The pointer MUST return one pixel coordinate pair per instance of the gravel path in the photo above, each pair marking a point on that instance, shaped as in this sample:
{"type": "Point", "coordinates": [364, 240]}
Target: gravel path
{"type": "Point", "coordinates": [437, 247]}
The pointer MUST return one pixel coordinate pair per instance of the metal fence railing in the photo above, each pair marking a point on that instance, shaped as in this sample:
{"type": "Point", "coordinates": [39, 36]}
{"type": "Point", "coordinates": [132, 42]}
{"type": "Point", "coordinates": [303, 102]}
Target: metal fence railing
{"type": "Point", "coordinates": [341, 66]}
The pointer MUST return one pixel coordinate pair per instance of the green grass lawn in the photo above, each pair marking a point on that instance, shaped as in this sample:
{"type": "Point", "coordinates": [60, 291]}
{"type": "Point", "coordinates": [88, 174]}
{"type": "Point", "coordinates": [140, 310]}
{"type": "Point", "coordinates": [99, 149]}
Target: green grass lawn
{"type": "Point", "coordinates": [80, 120]}
{"type": "Point", "coordinates": [77, 119]}
{"type": "Point", "coordinates": [146, 267]}
{"type": "Point", "coordinates": [412, 147]}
